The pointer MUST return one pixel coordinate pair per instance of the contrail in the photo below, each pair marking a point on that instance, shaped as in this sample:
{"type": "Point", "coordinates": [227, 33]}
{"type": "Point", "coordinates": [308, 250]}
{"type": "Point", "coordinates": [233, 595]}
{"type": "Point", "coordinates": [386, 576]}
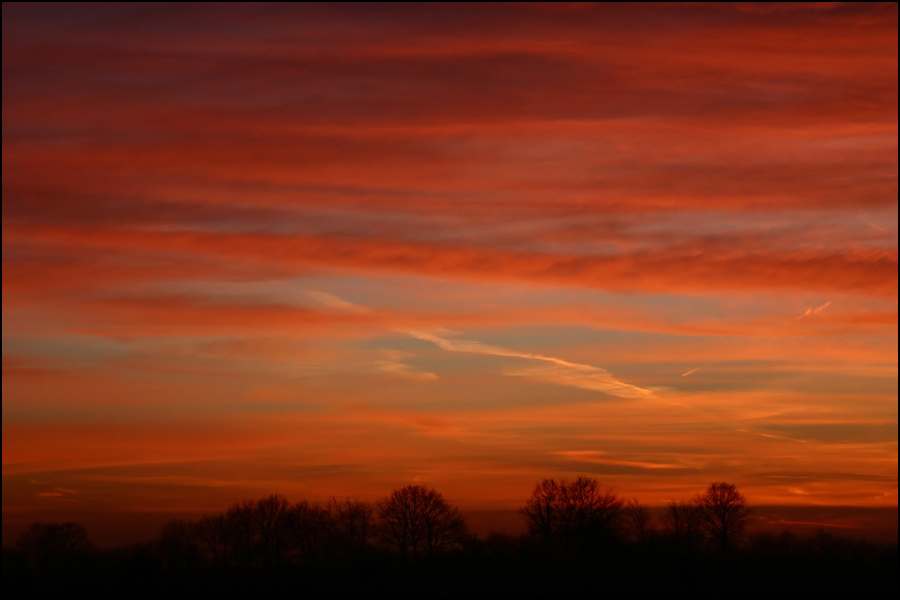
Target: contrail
{"type": "Point", "coordinates": [555, 370]}
{"type": "Point", "coordinates": [701, 366]}
{"type": "Point", "coordinates": [868, 222]}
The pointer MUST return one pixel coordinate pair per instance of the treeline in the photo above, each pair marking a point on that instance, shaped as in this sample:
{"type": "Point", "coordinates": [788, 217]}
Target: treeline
{"type": "Point", "coordinates": [414, 522]}
{"type": "Point", "coordinates": [581, 535]}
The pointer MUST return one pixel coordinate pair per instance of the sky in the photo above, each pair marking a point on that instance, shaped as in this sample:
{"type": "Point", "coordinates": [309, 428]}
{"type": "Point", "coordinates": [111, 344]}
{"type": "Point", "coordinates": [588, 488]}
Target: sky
{"type": "Point", "coordinates": [331, 250]}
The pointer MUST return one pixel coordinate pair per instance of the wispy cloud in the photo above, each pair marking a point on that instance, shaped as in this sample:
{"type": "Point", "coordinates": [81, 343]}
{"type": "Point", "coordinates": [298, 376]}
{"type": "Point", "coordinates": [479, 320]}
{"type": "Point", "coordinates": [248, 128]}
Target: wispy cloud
{"type": "Point", "coordinates": [814, 311]}
{"type": "Point", "coordinates": [598, 457]}
{"type": "Point", "coordinates": [336, 303]}
{"type": "Point", "coordinates": [394, 364]}
{"type": "Point", "coordinates": [555, 370]}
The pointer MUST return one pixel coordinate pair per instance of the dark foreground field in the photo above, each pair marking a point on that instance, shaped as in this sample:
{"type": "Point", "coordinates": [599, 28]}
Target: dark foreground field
{"type": "Point", "coordinates": [781, 566]}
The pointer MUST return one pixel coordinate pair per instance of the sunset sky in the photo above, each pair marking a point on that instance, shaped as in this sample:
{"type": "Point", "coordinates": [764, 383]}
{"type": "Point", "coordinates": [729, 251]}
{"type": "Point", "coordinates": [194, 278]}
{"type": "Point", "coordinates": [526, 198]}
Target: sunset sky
{"type": "Point", "coordinates": [330, 250]}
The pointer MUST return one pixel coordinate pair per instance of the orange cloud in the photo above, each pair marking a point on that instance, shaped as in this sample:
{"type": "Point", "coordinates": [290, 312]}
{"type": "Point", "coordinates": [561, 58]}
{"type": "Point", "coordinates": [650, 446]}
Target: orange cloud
{"type": "Point", "coordinates": [703, 264]}
{"type": "Point", "coordinates": [212, 243]}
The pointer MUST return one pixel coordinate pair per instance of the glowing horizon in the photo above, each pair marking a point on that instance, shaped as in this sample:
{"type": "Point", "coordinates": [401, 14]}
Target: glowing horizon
{"type": "Point", "coordinates": [326, 250]}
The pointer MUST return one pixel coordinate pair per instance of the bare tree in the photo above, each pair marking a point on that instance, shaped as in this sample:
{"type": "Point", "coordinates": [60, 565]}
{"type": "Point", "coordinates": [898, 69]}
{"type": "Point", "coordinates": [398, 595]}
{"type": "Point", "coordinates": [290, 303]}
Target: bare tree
{"type": "Point", "coordinates": [241, 528]}
{"type": "Point", "coordinates": [682, 522]}
{"type": "Point", "coordinates": [179, 545]}
{"type": "Point", "coordinates": [541, 510]}
{"type": "Point", "coordinates": [416, 519]}
{"type": "Point", "coordinates": [212, 535]}
{"type": "Point", "coordinates": [55, 548]}
{"type": "Point", "coordinates": [272, 520]}
{"type": "Point", "coordinates": [354, 524]}
{"type": "Point", "coordinates": [580, 512]}
{"type": "Point", "coordinates": [637, 517]}
{"type": "Point", "coordinates": [724, 512]}
{"type": "Point", "coordinates": [590, 514]}
{"type": "Point", "coordinates": [313, 530]}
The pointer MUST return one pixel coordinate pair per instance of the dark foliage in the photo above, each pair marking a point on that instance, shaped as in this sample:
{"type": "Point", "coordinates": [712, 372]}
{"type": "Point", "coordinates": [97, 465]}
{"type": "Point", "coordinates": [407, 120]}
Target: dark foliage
{"type": "Point", "coordinates": [574, 515]}
{"type": "Point", "coordinates": [417, 520]}
{"type": "Point", "coordinates": [271, 548]}
{"type": "Point", "coordinates": [723, 514]}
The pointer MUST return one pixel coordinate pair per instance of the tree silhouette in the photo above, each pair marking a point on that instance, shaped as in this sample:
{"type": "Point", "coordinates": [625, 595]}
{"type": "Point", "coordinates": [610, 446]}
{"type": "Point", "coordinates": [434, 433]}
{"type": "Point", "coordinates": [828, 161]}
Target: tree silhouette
{"type": "Point", "coordinates": [354, 525]}
{"type": "Point", "coordinates": [590, 514]}
{"type": "Point", "coordinates": [313, 529]}
{"type": "Point", "coordinates": [273, 518]}
{"type": "Point", "coordinates": [637, 517]}
{"type": "Point", "coordinates": [212, 535]}
{"type": "Point", "coordinates": [723, 513]}
{"type": "Point", "coordinates": [578, 513]}
{"type": "Point", "coordinates": [682, 522]}
{"type": "Point", "coordinates": [541, 510]}
{"type": "Point", "coordinates": [416, 519]}
{"type": "Point", "coordinates": [179, 544]}
{"type": "Point", "coordinates": [55, 549]}
{"type": "Point", "coordinates": [241, 532]}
